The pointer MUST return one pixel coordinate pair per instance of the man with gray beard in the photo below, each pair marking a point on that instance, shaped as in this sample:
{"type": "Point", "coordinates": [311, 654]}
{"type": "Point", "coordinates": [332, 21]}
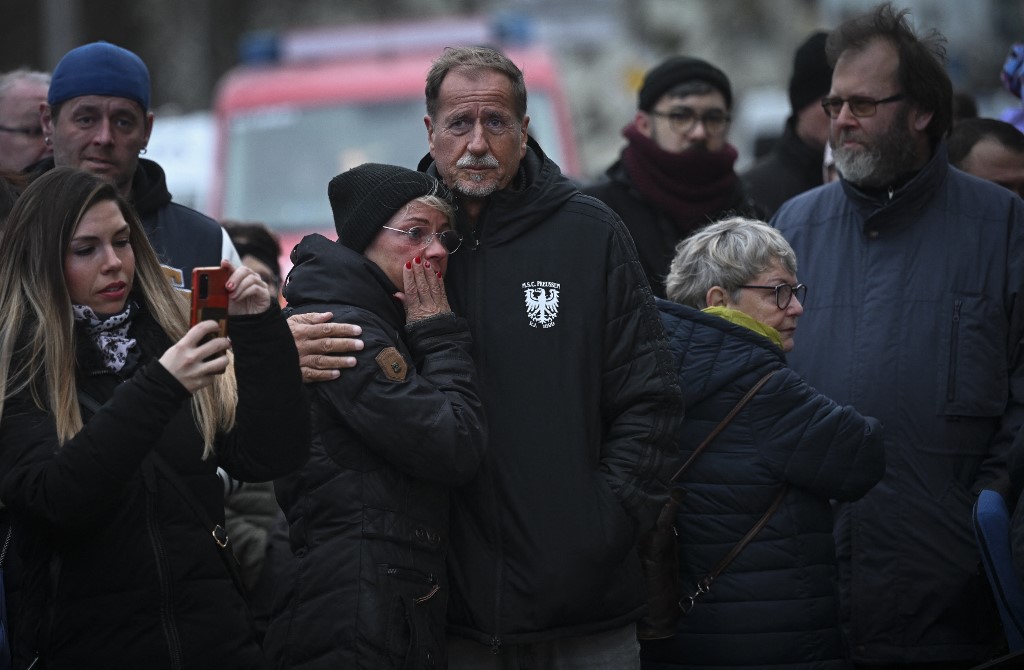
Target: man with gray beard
{"type": "Point", "coordinates": [915, 317]}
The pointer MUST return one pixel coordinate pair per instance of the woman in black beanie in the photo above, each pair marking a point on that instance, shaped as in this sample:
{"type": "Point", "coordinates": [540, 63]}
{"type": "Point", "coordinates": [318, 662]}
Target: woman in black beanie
{"type": "Point", "coordinates": [365, 585]}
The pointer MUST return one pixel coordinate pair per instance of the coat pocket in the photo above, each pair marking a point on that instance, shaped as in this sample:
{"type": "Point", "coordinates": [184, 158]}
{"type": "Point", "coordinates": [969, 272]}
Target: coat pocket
{"type": "Point", "coordinates": [412, 608]}
{"type": "Point", "coordinates": [973, 380]}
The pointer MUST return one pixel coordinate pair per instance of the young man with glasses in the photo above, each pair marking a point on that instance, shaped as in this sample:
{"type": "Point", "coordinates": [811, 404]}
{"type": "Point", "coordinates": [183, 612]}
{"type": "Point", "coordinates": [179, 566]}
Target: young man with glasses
{"type": "Point", "coordinates": [675, 173]}
{"type": "Point", "coordinates": [917, 319]}
{"type": "Point", "coordinates": [21, 134]}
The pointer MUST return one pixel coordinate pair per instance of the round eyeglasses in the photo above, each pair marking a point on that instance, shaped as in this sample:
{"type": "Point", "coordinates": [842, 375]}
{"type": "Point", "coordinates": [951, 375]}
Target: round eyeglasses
{"type": "Point", "coordinates": [783, 293]}
{"type": "Point", "coordinates": [419, 236]}
{"type": "Point", "coordinates": [859, 105]}
{"type": "Point", "coordinates": [682, 120]}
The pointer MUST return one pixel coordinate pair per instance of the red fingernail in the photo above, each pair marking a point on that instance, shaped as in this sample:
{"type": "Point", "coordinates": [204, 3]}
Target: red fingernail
{"type": "Point", "coordinates": [438, 275]}
{"type": "Point", "coordinates": [408, 266]}
{"type": "Point", "coordinates": [417, 260]}
{"type": "Point", "coordinates": [426, 264]}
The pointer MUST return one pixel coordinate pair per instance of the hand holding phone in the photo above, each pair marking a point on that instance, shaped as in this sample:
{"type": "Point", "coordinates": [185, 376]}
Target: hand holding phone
{"type": "Point", "coordinates": [210, 297]}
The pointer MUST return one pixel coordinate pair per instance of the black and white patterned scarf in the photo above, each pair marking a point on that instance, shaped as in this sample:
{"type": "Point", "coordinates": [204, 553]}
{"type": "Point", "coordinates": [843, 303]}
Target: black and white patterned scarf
{"type": "Point", "coordinates": [109, 334]}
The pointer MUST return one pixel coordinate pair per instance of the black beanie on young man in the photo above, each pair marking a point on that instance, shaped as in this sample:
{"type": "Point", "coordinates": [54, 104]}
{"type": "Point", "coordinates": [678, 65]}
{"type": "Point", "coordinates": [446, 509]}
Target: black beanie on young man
{"type": "Point", "coordinates": [365, 198]}
{"type": "Point", "coordinates": [676, 70]}
{"type": "Point", "coordinates": [812, 76]}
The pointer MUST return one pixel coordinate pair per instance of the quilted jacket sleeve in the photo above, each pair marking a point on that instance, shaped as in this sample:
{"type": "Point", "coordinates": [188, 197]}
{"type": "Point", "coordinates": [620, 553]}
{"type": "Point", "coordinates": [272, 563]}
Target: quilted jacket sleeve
{"type": "Point", "coordinates": [271, 434]}
{"type": "Point", "coordinates": [641, 401]}
{"type": "Point", "coordinates": [422, 414]}
{"type": "Point", "coordinates": [813, 443]}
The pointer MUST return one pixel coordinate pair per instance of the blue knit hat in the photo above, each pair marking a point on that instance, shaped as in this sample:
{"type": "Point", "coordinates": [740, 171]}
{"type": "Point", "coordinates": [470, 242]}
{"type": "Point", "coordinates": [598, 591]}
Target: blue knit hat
{"type": "Point", "coordinates": [100, 68]}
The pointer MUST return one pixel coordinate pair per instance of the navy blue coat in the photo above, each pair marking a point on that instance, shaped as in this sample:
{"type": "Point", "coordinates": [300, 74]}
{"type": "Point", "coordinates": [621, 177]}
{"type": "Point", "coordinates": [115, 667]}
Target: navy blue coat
{"type": "Point", "coordinates": [776, 604]}
{"type": "Point", "coordinates": [916, 317]}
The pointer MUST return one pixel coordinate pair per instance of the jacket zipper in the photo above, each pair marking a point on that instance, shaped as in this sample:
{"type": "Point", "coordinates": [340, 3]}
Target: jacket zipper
{"type": "Point", "coordinates": [416, 576]}
{"type": "Point", "coordinates": [170, 626]}
{"type": "Point", "coordinates": [954, 338]}
{"type": "Point", "coordinates": [495, 641]}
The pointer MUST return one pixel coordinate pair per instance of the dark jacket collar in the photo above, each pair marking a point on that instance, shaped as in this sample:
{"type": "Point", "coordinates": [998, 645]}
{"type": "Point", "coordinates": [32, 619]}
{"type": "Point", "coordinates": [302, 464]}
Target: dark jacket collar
{"type": "Point", "coordinates": [326, 272]}
{"type": "Point", "coordinates": [908, 197]}
{"type": "Point", "coordinates": [539, 190]}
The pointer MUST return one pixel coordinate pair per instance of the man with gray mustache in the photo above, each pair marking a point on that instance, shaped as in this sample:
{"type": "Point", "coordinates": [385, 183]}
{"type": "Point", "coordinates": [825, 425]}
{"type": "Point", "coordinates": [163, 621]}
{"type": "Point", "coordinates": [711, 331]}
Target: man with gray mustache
{"type": "Point", "coordinates": [916, 318]}
{"type": "Point", "coordinates": [577, 385]}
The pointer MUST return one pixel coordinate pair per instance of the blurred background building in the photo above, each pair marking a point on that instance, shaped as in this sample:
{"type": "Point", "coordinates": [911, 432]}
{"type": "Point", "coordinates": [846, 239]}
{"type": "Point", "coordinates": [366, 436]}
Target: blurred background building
{"type": "Point", "coordinates": [602, 48]}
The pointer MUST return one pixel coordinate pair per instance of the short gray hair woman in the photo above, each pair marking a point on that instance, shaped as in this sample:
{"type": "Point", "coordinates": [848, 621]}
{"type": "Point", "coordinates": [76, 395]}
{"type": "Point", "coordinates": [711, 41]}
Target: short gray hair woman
{"type": "Point", "coordinates": [736, 280]}
{"type": "Point", "coordinates": [727, 253]}
{"type": "Point", "coordinates": [742, 266]}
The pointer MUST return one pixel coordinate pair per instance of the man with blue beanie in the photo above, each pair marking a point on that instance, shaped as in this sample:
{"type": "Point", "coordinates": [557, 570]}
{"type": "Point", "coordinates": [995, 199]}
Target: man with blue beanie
{"type": "Point", "coordinates": [97, 118]}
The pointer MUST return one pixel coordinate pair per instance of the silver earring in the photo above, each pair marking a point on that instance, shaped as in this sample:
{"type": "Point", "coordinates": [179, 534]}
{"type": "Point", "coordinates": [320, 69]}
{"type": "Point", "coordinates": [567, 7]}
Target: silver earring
{"type": "Point", "coordinates": [47, 141]}
{"type": "Point", "coordinates": [143, 150]}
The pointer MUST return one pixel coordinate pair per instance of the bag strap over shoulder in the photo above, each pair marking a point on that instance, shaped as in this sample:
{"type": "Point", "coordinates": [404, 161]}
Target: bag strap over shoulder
{"type": "Point", "coordinates": [722, 425]}
{"type": "Point", "coordinates": [704, 585]}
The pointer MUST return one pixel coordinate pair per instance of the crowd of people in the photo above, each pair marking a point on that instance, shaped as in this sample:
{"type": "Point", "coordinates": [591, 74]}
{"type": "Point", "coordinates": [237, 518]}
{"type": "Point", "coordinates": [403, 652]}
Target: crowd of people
{"type": "Point", "coordinates": [448, 437]}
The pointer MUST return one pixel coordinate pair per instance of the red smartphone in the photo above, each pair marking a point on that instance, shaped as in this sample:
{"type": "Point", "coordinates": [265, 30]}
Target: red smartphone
{"type": "Point", "coordinates": [210, 297]}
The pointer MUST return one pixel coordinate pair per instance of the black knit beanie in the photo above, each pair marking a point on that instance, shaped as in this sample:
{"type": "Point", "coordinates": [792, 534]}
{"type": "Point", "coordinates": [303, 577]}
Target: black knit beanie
{"type": "Point", "coordinates": [812, 76]}
{"type": "Point", "coordinates": [676, 70]}
{"type": "Point", "coordinates": [365, 198]}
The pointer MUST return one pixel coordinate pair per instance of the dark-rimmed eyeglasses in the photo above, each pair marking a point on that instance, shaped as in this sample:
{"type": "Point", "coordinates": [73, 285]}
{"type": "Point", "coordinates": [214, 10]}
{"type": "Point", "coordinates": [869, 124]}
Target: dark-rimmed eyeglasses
{"type": "Point", "coordinates": [859, 105]}
{"type": "Point", "coordinates": [419, 236]}
{"type": "Point", "coordinates": [683, 119]}
{"type": "Point", "coordinates": [28, 131]}
{"type": "Point", "coordinates": [783, 292]}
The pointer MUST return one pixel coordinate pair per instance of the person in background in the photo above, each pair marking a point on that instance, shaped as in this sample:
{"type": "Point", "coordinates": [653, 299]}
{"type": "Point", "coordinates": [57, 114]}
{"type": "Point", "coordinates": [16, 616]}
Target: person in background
{"type": "Point", "coordinates": [577, 384]}
{"type": "Point", "coordinates": [114, 415]}
{"type": "Point", "coordinates": [964, 107]}
{"type": "Point", "coordinates": [990, 149]}
{"type": "Point", "coordinates": [794, 165]}
{"type": "Point", "coordinates": [917, 319]}
{"type": "Point", "coordinates": [731, 317]}
{"type": "Point", "coordinates": [12, 183]}
{"type": "Point", "coordinates": [260, 250]}
{"type": "Point", "coordinates": [675, 173]}
{"type": "Point", "coordinates": [97, 117]}
{"type": "Point", "coordinates": [366, 584]}
{"type": "Point", "coordinates": [21, 135]}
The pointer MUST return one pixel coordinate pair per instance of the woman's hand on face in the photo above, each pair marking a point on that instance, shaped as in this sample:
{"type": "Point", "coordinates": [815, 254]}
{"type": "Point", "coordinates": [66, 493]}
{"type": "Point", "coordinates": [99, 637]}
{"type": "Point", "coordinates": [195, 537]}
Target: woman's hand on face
{"type": "Point", "coordinates": [247, 292]}
{"type": "Point", "coordinates": [195, 363]}
{"type": "Point", "coordinates": [424, 294]}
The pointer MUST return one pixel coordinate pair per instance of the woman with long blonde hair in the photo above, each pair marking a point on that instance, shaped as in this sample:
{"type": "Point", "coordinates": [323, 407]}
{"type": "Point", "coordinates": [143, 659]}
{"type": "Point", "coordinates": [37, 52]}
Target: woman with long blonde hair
{"type": "Point", "coordinates": [114, 416]}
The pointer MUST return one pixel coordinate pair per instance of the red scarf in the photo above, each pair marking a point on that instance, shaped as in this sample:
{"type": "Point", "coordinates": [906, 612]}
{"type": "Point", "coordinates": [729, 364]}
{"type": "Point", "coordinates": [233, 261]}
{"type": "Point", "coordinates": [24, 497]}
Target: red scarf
{"type": "Point", "coordinates": [690, 188]}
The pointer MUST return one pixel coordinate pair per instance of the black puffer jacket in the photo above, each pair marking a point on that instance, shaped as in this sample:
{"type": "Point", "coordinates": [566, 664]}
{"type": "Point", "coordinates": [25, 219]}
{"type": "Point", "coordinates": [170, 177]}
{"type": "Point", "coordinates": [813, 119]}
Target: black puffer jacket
{"type": "Point", "coordinates": [139, 582]}
{"type": "Point", "coordinates": [582, 406]}
{"type": "Point", "coordinates": [366, 587]}
{"type": "Point", "coordinates": [776, 605]}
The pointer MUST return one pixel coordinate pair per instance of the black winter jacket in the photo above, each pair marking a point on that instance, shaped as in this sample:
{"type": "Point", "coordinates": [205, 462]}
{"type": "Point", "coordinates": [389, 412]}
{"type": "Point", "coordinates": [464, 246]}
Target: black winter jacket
{"type": "Point", "coordinates": [582, 404]}
{"type": "Point", "coordinates": [790, 169]}
{"type": "Point", "coordinates": [366, 586]}
{"type": "Point", "coordinates": [139, 582]}
{"type": "Point", "coordinates": [776, 605]}
{"type": "Point", "coordinates": [655, 234]}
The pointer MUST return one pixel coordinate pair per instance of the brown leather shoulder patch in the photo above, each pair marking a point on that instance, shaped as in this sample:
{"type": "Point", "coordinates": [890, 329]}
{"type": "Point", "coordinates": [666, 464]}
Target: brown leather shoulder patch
{"type": "Point", "coordinates": [392, 364]}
